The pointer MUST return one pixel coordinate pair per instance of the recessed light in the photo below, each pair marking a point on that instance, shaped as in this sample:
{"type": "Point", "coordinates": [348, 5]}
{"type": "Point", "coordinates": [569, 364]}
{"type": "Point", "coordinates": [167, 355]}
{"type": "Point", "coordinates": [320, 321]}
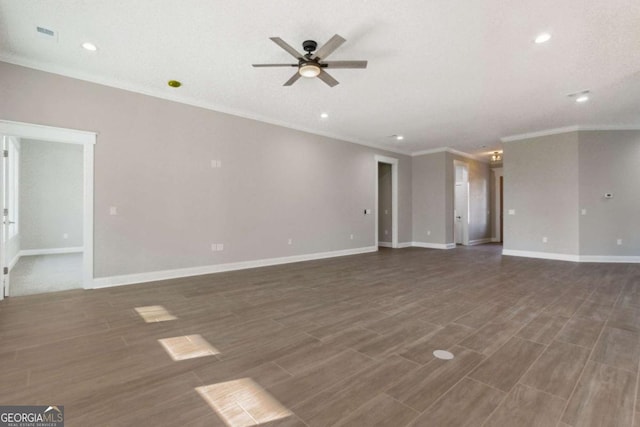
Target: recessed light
{"type": "Point", "coordinates": [89, 46]}
{"type": "Point", "coordinates": [399, 137]}
{"type": "Point", "coordinates": [174, 83]}
{"type": "Point", "coordinates": [582, 98]}
{"type": "Point", "coordinates": [543, 38]}
{"type": "Point", "coordinates": [324, 115]}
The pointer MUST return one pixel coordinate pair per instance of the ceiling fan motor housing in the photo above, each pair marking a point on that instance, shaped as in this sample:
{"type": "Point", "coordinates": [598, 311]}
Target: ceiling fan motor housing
{"type": "Point", "coordinates": [309, 45]}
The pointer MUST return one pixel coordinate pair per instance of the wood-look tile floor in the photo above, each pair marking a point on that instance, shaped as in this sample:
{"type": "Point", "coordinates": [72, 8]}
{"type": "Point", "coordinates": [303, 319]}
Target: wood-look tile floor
{"type": "Point", "coordinates": [339, 342]}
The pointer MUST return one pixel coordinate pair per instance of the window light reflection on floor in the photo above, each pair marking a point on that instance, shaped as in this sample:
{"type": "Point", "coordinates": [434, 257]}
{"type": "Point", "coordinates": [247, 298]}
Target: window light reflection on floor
{"type": "Point", "coordinates": [187, 347]}
{"type": "Point", "coordinates": [242, 403]}
{"type": "Point", "coordinates": [155, 313]}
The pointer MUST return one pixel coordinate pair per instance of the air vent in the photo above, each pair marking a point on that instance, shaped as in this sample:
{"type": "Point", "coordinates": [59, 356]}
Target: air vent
{"type": "Point", "coordinates": [47, 33]}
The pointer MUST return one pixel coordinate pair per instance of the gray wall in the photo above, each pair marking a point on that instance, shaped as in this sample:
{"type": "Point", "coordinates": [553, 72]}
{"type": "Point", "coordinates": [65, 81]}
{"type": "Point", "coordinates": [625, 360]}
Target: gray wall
{"type": "Point", "coordinates": [385, 231]}
{"type": "Point", "coordinates": [429, 198]}
{"type": "Point", "coordinates": [50, 195]}
{"type": "Point", "coordinates": [433, 198]}
{"type": "Point", "coordinates": [609, 162]}
{"type": "Point", "coordinates": [550, 180]}
{"type": "Point", "coordinates": [153, 162]}
{"type": "Point", "coordinates": [541, 185]}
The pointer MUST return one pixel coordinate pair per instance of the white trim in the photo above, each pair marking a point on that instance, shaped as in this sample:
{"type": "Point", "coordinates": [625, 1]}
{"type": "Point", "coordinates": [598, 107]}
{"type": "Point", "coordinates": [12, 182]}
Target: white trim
{"type": "Point", "coordinates": [541, 255]}
{"type": "Point", "coordinates": [71, 136]}
{"type": "Point", "coordinates": [495, 240]}
{"type": "Point", "coordinates": [106, 282]}
{"type": "Point", "coordinates": [573, 258]}
{"type": "Point", "coordinates": [385, 244]}
{"type": "Point", "coordinates": [52, 251]}
{"type": "Point", "coordinates": [480, 241]}
{"type": "Point", "coordinates": [449, 150]}
{"type": "Point", "coordinates": [608, 127]}
{"type": "Point", "coordinates": [175, 97]}
{"type": "Point", "coordinates": [404, 245]}
{"type": "Point", "coordinates": [433, 245]}
{"type": "Point", "coordinates": [605, 258]}
{"type": "Point", "coordinates": [556, 131]}
{"type": "Point", "coordinates": [497, 173]}
{"type": "Point", "coordinates": [394, 197]}
{"type": "Point", "coordinates": [46, 133]}
{"type": "Point", "coordinates": [14, 261]}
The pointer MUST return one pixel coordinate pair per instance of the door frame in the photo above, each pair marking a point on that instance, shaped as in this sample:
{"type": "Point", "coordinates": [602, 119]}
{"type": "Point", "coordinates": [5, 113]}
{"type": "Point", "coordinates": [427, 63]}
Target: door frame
{"type": "Point", "coordinates": [394, 198]}
{"type": "Point", "coordinates": [70, 136]}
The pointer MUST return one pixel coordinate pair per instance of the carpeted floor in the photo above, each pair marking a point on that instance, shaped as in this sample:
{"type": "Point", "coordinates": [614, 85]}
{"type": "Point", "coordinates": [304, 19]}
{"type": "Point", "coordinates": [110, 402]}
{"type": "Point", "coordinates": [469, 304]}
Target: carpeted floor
{"type": "Point", "coordinates": [38, 274]}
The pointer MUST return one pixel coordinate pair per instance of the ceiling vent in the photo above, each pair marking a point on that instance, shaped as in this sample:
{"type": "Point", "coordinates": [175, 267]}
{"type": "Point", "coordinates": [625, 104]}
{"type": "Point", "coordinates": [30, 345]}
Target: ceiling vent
{"type": "Point", "coordinates": [47, 33]}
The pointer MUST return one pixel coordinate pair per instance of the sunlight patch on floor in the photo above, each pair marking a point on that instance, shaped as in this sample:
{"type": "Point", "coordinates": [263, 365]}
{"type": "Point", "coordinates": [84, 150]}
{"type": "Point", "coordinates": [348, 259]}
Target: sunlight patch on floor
{"type": "Point", "coordinates": [187, 347]}
{"type": "Point", "coordinates": [155, 313]}
{"type": "Point", "coordinates": [242, 403]}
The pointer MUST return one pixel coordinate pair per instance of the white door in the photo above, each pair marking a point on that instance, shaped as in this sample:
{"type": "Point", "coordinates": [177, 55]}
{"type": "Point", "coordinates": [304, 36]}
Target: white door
{"type": "Point", "coordinates": [461, 214]}
{"type": "Point", "coordinates": [9, 193]}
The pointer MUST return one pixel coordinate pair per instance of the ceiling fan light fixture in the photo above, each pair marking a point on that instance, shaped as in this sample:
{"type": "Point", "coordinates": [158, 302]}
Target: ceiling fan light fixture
{"type": "Point", "coordinates": [309, 70]}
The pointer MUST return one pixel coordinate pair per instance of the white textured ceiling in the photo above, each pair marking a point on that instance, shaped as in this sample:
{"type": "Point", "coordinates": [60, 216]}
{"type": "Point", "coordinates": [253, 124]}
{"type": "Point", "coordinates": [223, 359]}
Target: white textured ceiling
{"type": "Point", "coordinates": [443, 73]}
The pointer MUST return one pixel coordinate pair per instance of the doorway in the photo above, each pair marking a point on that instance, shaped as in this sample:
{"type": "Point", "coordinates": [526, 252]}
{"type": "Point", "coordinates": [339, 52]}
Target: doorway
{"type": "Point", "coordinates": [385, 216]}
{"type": "Point", "coordinates": [386, 201]}
{"type": "Point", "coordinates": [461, 204]}
{"type": "Point", "coordinates": [27, 219]}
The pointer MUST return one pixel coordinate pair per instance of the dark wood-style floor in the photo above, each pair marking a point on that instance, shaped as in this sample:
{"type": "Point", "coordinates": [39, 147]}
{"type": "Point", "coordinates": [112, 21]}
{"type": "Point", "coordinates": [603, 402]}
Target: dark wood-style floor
{"type": "Point", "coordinates": [345, 341]}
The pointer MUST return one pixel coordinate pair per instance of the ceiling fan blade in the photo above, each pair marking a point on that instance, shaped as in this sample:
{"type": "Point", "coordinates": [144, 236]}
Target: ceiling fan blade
{"type": "Point", "coordinates": [345, 64]}
{"type": "Point", "coordinates": [286, 46]}
{"type": "Point", "coordinates": [292, 80]}
{"type": "Point", "coordinates": [326, 50]}
{"type": "Point", "coordinates": [274, 65]}
{"type": "Point", "coordinates": [326, 77]}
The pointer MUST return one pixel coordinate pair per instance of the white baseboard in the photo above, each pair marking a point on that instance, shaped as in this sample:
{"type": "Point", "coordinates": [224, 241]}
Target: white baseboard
{"type": "Point", "coordinates": [542, 255]}
{"type": "Point", "coordinates": [495, 240]}
{"type": "Point", "coordinates": [52, 251]}
{"type": "Point", "coordinates": [129, 279]}
{"type": "Point", "coordinates": [14, 261]}
{"type": "Point", "coordinates": [385, 244]}
{"type": "Point", "coordinates": [607, 258]}
{"type": "Point", "coordinates": [434, 245]}
{"type": "Point", "coordinates": [479, 241]}
{"type": "Point", "coordinates": [404, 245]}
{"type": "Point", "coordinates": [573, 258]}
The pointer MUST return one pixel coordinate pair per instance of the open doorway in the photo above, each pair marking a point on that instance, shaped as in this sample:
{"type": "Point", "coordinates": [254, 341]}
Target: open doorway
{"type": "Point", "coordinates": [385, 215]}
{"type": "Point", "coordinates": [461, 204]}
{"type": "Point", "coordinates": [386, 203]}
{"type": "Point", "coordinates": [47, 197]}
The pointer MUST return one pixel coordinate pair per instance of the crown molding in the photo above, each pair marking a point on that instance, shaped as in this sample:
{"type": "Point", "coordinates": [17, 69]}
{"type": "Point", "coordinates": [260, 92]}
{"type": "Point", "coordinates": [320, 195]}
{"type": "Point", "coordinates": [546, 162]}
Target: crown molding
{"type": "Point", "coordinates": [575, 128]}
{"type": "Point", "coordinates": [451, 151]}
{"type": "Point", "coordinates": [122, 85]}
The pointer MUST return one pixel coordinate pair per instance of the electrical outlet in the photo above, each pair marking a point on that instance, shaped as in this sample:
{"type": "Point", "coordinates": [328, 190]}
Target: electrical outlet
{"type": "Point", "coordinates": [351, 236]}
{"type": "Point", "coordinates": [428, 232]}
{"type": "Point", "coordinates": [113, 210]}
{"type": "Point", "coordinates": [583, 212]}
{"type": "Point", "coordinates": [386, 212]}
{"type": "Point", "coordinates": [386, 232]}
{"type": "Point", "coordinates": [619, 241]}
{"type": "Point", "coordinates": [367, 211]}
{"type": "Point", "coordinates": [290, 242]}
{"type": "Point", "coordinates": [512, 211]}
{"type": "Point", "coordinates": [216, 164]}
{"type": "Point", "coordinates": [214, 247]}
{"type": "Point", "coordinates": [220, 247]}
{"type": "Point", "coordinates": [65, 236]}
{"type": "Point", "coordinates": [545, 239]}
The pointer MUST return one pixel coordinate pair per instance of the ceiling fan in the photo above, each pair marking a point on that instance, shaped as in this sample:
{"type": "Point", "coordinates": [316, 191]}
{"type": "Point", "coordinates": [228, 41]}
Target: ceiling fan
{"type": "Point", "coordinates": [312, 64]}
